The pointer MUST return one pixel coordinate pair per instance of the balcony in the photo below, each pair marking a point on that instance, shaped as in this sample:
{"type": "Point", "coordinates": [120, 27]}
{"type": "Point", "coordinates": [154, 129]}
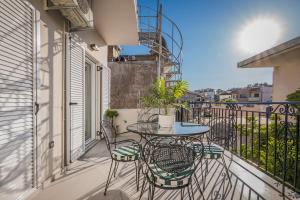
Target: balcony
{"type": "Point", "coordinates": [262, 151]}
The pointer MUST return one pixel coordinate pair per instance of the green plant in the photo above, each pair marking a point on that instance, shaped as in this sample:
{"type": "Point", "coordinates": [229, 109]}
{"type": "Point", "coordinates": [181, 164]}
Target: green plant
{"type": "Point", "coordinates": [111, 114]}
{"type": "Point", "coordinates": [295, 96]}
{"type": "Point", "coordinates": [268, 143]}
{"type": "Point", "coordinates": [230, 101]}
{"type": "Point", "coordinates": [163, 97]}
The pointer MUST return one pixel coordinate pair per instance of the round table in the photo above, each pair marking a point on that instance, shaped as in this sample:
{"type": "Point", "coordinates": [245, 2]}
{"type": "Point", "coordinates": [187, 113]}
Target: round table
{"type": "Point", "coordinates": [179, 129]}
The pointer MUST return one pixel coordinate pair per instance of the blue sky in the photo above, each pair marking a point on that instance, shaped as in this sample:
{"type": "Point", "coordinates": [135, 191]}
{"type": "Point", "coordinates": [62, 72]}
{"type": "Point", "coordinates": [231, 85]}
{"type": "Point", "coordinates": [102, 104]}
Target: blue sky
{"type": "Point", "coordinates": [210, 31]}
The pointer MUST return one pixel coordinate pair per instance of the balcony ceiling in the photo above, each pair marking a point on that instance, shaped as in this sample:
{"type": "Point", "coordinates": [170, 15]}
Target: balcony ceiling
{"type": "Point", "coordinates": [116, 21]}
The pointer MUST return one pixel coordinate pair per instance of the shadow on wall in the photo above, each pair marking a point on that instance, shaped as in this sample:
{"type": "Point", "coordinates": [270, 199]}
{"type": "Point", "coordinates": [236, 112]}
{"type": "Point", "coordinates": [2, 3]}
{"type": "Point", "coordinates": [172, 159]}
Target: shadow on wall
{"type": "Point", "coordinates": [16, 124]}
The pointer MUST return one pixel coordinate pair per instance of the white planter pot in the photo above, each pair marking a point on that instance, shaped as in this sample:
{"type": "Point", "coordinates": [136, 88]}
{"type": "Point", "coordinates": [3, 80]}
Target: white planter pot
{"type": "Point", "coordinates": [166, 121]}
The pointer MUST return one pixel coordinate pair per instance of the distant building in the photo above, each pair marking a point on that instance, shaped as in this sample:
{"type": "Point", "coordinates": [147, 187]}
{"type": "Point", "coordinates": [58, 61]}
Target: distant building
{"type": "Point", "coordinates": [225, 96]}
{"type": "Point", "coordinates": [253, 94]}
{"type": "Point", "coordinates": [192, 96]}
{"type": "Point", "coordinates": [207, 94]}
{"type": "Point", "coordinates": [285, 61]}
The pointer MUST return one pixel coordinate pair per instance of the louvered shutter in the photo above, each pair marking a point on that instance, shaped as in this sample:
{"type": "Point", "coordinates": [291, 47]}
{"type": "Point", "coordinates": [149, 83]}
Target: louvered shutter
{"type": "Point", "coordinates": [77, 62]}
{"type": "Point", "coordinates": [106, 89]}
{"type": "Point", "coordinates": [16, 98]}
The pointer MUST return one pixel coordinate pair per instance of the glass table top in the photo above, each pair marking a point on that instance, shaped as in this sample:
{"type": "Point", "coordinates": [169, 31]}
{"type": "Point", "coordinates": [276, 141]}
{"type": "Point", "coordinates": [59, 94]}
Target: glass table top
{"type": "Point", "coordinates": [178, 129]}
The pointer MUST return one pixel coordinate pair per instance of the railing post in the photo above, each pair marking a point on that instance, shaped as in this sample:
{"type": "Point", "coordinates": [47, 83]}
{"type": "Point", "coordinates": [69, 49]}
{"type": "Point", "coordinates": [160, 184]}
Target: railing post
{"type": "Point", "coordinates": [286, 111]}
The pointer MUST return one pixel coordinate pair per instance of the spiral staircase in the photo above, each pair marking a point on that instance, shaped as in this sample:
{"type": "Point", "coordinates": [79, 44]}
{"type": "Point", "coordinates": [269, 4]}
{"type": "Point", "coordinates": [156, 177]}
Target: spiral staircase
{"type": "Point", "coordinates": [164, 39]}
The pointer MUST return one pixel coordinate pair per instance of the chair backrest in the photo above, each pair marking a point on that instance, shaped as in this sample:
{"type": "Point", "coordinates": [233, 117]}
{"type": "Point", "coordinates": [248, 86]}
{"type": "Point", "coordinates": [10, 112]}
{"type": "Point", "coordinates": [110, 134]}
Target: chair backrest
{"type": "Point", "coordinates": [170, 154]}
{"type": "Point", "coordinates": [147, 115]}
{"type": "Point", "coordinates": [153, 118]}
{"type": "Point", "coordinates": [109, 133]}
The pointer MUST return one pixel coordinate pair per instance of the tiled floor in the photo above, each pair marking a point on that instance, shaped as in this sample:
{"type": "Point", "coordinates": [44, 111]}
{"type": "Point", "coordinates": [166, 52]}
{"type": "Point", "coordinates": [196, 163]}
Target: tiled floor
{"type": "Point", "coordinates": [86, 179]}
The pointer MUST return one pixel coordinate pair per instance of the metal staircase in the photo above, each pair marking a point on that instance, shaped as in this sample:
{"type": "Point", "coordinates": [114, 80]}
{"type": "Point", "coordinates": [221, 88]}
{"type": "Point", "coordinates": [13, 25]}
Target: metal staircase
{"type": "Point", "coordinates": [164, 39]}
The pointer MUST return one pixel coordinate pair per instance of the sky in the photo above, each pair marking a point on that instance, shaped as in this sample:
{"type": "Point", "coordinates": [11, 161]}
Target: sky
{"type": "Point", "coordinates": [211, 31]}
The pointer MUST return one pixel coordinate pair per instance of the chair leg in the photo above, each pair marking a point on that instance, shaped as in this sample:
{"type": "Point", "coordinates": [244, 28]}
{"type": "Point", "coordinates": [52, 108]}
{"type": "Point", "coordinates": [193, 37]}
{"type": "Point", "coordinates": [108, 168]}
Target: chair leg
{"type": "Point", "coordinates": [151, 192]}
{"type": "Point", "coordinates": [193, 195]}
{"type": "Point", "coordinates": [198, 186]}
{"type": "Point", "coordinates": [189, 192]}
{"type": "Point", "coordinates": [116, 168]}
{"type": "Point", "coordinates": [143, 187]}
{"type": "Point", "coordinates": [182, 193]}
{"type": "Point", "coordinates": [137, 174]}
{"type": "Point", "coordinates": [203, 176]}
{"type": "Point", "coordinates": [109, 177]}
{"type": "Point", "coordinates": [226, 169]}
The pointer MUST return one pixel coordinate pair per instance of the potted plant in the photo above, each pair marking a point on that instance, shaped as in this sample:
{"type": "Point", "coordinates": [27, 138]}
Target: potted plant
{"type": "Point", "coordinates": [165, 99]}
{"type": "Point", "coordinates": [111, 114]}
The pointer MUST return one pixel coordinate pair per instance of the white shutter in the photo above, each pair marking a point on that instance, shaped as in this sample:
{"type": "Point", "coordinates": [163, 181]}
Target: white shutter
{"type": "Point", "coordinates": [106, 89]}
{"type": "Point", "coordinates": [16, 98]}
{"type": "Point", "coordinates": [77, 62]}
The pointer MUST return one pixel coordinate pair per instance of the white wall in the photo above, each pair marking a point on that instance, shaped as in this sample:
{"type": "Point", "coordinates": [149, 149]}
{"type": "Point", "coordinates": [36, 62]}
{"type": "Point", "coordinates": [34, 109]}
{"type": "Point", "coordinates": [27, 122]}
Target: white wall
{"type": "Point", "coordinates": [286, 79]}
{"type": "Point", "coordinates": [125, 118]}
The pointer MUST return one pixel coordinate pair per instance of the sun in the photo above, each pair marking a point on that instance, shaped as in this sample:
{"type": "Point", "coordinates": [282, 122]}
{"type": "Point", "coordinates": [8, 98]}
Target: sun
{"type": "Point", "coordinates": [258, 35]}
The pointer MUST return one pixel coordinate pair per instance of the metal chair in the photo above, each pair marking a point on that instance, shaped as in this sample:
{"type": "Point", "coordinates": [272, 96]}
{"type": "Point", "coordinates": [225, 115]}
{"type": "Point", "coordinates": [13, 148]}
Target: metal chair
{"type": "Point", "coordinates": [120, 151]}
{"type": "Point", "coordinates": [170, 165]}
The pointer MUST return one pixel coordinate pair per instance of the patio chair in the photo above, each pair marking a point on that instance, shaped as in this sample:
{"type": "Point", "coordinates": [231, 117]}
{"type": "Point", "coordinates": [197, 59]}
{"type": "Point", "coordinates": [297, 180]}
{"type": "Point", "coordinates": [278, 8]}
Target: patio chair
{"type": "Point", "coordinates": [170, 165]}
{"type": "Point", "coordinates": [120, 151]}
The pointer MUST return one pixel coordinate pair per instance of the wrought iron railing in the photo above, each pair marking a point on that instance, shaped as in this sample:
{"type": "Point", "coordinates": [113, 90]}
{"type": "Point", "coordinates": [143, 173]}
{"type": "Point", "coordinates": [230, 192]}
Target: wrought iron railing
{"type": "Point", "coordinates": [263, 134]}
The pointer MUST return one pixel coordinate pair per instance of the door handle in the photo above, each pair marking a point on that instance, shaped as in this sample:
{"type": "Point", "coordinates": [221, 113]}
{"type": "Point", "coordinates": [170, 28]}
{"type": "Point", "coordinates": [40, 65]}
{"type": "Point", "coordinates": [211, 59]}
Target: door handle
{"type": "Point", "coordinates": [73, 103]}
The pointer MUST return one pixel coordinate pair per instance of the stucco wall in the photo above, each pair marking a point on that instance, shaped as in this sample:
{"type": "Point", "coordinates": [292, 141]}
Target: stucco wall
{"type": "Point", "coordinates": [129, 81]}
{"type": "Point", "coordinates": [125, 118]}
{"type": "Point", "coordinates": [286, 79]}
{"type": "Point", "coordinates": [50, 91]}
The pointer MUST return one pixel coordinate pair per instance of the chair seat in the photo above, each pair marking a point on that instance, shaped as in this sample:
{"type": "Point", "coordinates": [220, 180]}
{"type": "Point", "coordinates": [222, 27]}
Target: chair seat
{"type": "Point", "coordinates": [126, 153]}
{"type": "Point", "coordinates": [210, 151]}
{"type": "Point", "coordinates": [165, 179]}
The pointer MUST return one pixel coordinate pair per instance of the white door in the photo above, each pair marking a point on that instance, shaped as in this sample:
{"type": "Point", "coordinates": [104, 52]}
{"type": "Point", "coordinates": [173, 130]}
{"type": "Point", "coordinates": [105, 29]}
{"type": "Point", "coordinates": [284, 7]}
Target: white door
{"type": "Point", "coordinates": [76, 97]}
{"type": "Point", "coordinates": [90, 101]}
{"type": "Point", "coordinates": [17, 94]}
{"type": "Point", "coordinates": [105, 89]}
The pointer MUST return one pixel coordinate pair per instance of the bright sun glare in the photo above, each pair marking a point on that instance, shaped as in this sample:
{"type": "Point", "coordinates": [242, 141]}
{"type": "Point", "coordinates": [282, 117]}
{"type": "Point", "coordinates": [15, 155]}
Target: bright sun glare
{"type": "Point", "coordinates": [259, 35]}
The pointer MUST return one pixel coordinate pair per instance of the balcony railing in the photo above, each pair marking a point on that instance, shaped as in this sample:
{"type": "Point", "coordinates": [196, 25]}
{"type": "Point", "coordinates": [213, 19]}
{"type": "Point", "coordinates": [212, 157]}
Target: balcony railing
{"type": "Point", "coordinates": [265, 135]}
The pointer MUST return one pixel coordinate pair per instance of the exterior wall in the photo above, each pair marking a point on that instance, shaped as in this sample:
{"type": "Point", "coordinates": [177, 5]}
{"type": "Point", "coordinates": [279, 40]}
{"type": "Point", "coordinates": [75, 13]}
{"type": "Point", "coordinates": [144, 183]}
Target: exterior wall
{"type": "Point", "coordinates": [286, 79]}
{"type": "Point", "coordinates": [129, 81]}
{"type": "Point", "coordinates": [50, 94]}
{"type": "Point", "coordinates": [125, 118]}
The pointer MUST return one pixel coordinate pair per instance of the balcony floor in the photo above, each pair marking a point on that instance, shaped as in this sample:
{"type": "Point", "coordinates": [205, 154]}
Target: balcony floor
{"type": "Point", "coordinates": [85, 179]}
